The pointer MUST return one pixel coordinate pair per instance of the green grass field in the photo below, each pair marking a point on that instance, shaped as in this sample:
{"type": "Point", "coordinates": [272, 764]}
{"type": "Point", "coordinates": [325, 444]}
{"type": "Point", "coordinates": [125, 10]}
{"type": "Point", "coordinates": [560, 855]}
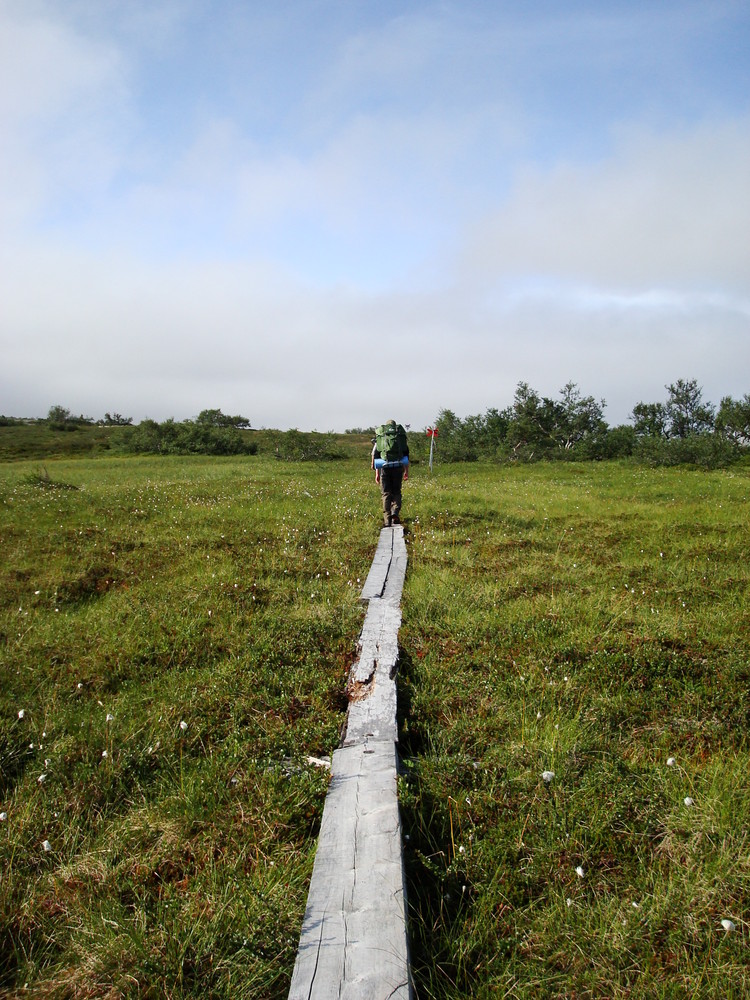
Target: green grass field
{"type": "Point", "coordinates": [176, 635]}
{"type": "Point", "coordinates": [590, 621]}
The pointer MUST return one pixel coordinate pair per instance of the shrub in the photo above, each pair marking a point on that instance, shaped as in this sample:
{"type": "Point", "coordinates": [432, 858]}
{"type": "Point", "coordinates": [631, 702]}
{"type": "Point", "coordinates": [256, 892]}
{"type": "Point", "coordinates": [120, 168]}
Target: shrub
{"type": "Point", "coordinates": [298, 446]}
{"type": "Point", "coordinates": [61, 419]}
{"type": "Point", "coordinates": [706, 451]}
{"type": "Point", "coordinates": [188, 438]}
{"type": "Point", "coordinates": [617, 442]}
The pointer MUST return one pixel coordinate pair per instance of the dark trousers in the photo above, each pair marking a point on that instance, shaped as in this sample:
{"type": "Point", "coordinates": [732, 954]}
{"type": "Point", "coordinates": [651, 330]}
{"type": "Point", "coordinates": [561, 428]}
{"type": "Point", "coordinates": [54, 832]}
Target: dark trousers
{"type": "Point", "coordinates": [390, 486]}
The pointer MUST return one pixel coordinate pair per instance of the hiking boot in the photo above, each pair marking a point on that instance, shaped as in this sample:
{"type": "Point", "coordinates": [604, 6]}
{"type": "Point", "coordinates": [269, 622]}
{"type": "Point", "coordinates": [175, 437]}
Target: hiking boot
{"type": "Point", "coordinates": [396, 519]}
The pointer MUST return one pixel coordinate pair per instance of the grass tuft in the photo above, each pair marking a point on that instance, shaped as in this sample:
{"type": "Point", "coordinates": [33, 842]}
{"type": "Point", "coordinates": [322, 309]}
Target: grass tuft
{"type": "Point", "coordinates": [42, 479]}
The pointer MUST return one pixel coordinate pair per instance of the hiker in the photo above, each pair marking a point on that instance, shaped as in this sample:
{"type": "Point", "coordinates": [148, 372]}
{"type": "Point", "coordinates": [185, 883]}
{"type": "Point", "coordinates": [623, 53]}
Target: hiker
{"type": "Point", "coordinates": [390, 460]}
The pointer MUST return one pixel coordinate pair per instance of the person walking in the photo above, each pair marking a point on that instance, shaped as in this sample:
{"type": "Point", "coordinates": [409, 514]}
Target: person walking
{"type": "Point", "coordinates": [390, 460]}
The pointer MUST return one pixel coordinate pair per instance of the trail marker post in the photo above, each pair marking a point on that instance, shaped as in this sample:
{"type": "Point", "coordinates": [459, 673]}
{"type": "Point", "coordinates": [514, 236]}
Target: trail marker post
{"type": "Point", "coordinates": [432, 433]}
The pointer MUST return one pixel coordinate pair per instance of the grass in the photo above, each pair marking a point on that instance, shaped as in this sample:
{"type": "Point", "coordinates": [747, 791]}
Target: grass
{"type": "Point", "coordinates": [177, 634]}
{"type": "Point", "coordinates": [591, 621]}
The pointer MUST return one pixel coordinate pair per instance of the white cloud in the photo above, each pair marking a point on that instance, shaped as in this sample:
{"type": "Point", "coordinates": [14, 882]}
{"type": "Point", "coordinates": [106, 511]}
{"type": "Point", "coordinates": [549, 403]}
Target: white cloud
{"type": "Point", "coordinates": [388, 213]}
{"type": "Point", "coordinates": [46, 67]}
{"type": "Point", "coordinates": [63, 104]}
{"type": "Point", "coordinates": [663, 211]}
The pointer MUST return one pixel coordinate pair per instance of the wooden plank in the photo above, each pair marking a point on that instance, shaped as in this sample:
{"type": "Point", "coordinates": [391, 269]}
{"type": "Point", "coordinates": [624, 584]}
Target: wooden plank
{"type": "Point", "coordinates": [379, 636]}
{"type": "Point", "coordinates": [388, 569]}
{"type": "Point", "coordinates": [353, 942]}
{"type": "Point", "coordinates": [375, 582]}
{"type": "Point", "coordinates": [372, 682]}
{"type": "Point", "coordinates": [394, 583]}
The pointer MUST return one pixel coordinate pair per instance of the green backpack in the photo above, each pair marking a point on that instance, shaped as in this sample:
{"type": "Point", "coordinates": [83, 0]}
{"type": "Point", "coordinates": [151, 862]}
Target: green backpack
{"type": "Point", "coordinates": [390, 440]}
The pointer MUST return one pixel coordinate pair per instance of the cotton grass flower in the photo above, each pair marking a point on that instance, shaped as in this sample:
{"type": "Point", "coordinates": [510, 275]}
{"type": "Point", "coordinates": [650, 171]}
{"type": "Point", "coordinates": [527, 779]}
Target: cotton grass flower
{"type": "Point", "coordinates": [728, 925]}
{"type": "Point", "coordinates": [671, 762]}
{"type": "Point", "coordinates": [46, 846]}
{"type": "Point", "coordinates": [547, 776]}
{"type": "Point", "coordinates": [688, 801]}
{"type": "Point", "coordinates": [110, 717]}
{"type": "Point", "coordinates": [183, 725]}
{"type": "Point", "coordinates": [579, 871]}
{"type": "Point", "coordinates": [3, 817]}
{"type": "Point", "coordinates": [21, 713]}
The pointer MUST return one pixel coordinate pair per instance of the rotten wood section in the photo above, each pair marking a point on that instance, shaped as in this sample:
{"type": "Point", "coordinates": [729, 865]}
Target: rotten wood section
{"type": "Point", "coordinates": [354, 944]}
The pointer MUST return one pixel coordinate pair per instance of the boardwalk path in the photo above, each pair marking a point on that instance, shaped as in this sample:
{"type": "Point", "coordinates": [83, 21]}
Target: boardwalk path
{"type": "Point", "coordinates": [353, 944]}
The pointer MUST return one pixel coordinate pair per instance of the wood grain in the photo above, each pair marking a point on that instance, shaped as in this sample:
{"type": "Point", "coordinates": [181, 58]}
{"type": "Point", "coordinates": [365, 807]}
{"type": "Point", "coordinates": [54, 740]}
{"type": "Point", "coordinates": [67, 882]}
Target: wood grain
{"type": "Point", "coordinates": [353, 944]}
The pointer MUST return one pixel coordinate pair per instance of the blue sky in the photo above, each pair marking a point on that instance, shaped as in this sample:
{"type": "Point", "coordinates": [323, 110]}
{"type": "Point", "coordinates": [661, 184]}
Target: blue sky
{"type": "Point", "coordinates": [320, 213]}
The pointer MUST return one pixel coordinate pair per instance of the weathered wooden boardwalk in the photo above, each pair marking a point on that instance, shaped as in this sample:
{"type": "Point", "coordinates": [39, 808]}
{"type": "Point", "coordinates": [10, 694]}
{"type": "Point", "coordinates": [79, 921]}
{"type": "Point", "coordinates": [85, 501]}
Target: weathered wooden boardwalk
{"type": "Point", "coordinates": [353, 944]}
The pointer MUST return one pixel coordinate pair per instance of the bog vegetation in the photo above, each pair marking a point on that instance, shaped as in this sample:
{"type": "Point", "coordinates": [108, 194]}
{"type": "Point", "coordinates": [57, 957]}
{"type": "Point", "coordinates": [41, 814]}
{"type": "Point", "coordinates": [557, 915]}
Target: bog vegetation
{"type": "Point", "coordinates": [575, 707]}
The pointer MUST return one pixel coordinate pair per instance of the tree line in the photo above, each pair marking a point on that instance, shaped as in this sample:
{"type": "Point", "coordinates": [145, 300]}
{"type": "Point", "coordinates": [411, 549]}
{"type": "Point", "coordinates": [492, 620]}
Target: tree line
{"type": "Point", "coordinates": [681, 429]}
{"type": "Point", "coordinates": [212, 432]}
{"type": "Point", "coordinates": [62, 419]}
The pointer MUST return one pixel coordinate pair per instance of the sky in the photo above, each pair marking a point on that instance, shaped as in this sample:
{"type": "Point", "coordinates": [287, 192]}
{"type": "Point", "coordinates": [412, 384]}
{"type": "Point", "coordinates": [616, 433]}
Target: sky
{"type": "Point", "coordinates": [326, 213]}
